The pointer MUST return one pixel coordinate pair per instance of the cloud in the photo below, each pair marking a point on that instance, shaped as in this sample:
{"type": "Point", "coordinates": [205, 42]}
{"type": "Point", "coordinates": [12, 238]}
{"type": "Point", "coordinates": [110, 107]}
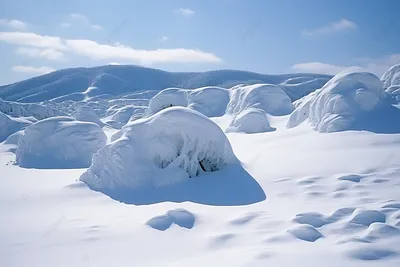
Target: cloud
{"type": "Point", "coordinates": [185, 11]}
{"type": "Point", "coordinates": [14, 24]}
{"type": "Point", "coordinates": [377, 66]}
{"type": "Point", "coordinates": [96, 51]}
{"type": "Point", "coordinates": [47, 53]}
{"type": "Point", "coordinates": [81, 20]}
{"type": "Point", "coordinates": [32, 70]}
{"type": "Point", "coordinates": [337, 26]}
{"type": "Point", "coordinates": [164, 38]}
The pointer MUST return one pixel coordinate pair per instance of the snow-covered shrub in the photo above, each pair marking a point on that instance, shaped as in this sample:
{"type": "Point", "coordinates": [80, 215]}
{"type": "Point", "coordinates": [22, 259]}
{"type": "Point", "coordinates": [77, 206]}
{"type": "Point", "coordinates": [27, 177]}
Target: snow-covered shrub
{"type": "Point", "coordinates": [59, 142]}
{"type": "Point", "coordinates": [251, 120]}
{"type": "Point", "coordinates": [268, 97]}
{"type": "Point", "coordinates": [391, 76]}
{"type": "Point", "coordinates": [166, 98]}
{"type": "Point", "coordinates": [169, 147]}
{"type": "Point", "coordinates": [346, 99]}
{"type": "Point", "coordinates": [210, 101]}
{"type": "Point", "coordinates": [87, 114]}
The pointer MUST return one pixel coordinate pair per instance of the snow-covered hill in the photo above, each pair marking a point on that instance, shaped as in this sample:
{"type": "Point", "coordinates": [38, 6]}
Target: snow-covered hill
{"type": "Point", "coordinates": [81, 83]}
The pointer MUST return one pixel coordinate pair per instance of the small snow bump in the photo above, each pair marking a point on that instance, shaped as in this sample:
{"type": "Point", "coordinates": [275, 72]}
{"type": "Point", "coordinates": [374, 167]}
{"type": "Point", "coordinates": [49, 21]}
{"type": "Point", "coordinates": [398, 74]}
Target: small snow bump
{"type": "Point", "coordinates": [352, 178]}
{"type": "Point", "coordinates": [305, 233]}
{"type": "Point", "coordinates": [367, 217]}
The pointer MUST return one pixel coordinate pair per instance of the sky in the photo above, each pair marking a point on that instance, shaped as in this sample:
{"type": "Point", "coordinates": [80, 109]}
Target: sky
{"type": "Point", "coordinates": [265, 36]}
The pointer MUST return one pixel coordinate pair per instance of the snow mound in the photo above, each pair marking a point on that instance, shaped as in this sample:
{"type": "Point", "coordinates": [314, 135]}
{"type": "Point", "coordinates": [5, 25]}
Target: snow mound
{"type": "Point", "coordinates": [180, 217]}
{"type": "Point", "coordinates": [391, 76]}
{"type": "Point", "coordinates": [26, 110]}
{"type": "Point", "coordinates": [252, 120]}
{"type": "Point", "coordinates": [14, 138]}
{"type": "Point", "coordinates": [305, 232]}
{"type": "Point", "coordinates": [350, 100]}
{"type": "Point", "coordinates": [10, 125]}
{"type": "Point", "coordinates": [87, 114]}
{"type": "Point", "coordinates": [299, 87]}
{"type": "Point", "coordinates": [267, 97]}
{"type": "Point", "coordinates": [169, 147]}
{"type": "Point", "coordinates": [59, 142]}
{"type": "Point", "coordinates": [210, 101]}
{"type": "Point", "coordinates": [367, 217]}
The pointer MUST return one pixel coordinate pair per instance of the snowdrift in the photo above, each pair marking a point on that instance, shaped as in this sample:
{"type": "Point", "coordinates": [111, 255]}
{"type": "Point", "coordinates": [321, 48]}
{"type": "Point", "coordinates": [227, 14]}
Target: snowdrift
{"type": "Point", "coordinates": [167, 148]}
{"type": "Point", "coordinates": [87, 114]}
{"type": "Point", "coordinates": [250, 121]}
{"type": "Point", "coordinates": [210, 101]}
{"type": "Point", "coordinates": [10, 125]}
{"type": "Point", "coordinates": [349, 101]}
{"type": "Point", "coordinates": [59, 142]}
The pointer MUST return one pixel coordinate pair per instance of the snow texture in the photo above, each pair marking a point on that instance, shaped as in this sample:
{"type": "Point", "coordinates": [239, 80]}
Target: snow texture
{"type": "Point", "coordinates": [391, 77]}
{"type": "Point", "coordinates": [59, 142]}
{"type": "Point", "coordinates": [169, 147]}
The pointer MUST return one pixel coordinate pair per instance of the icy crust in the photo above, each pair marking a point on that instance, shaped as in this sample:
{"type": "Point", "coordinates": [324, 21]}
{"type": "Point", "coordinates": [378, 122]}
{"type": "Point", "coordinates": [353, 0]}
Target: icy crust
{"type": "Point", "coordinates": [169, 147]}
{"type": "Point", "coordinates": [267, 97]}
{"type": "Point", "coordinates": [250, 121]}
{"type": "Point", "coordinates": [59, 142]}
{"type": "Point", "coordinates": [26, 110]}
{"type": "Point", "coordinates": [391, 77]}
{"type": "Point", "coordinates": [345, 99]}
{"type": "Point", "coordinates": [210, 101]}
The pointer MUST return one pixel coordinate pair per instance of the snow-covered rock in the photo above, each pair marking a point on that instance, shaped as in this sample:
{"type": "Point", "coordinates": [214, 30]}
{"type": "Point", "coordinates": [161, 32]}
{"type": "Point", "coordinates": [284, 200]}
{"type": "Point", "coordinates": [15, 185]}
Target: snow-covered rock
{"type": "Point", "coordinates": [87, 114]}
{"type": "Point", "coordinates": [251, 120]}
{"type": "Point", "coordinates": [391, 76]}
{"type": "Point", "coordinates": [59, 142]}
{"type": "Point", "coordinates": [169, 147]}
{"type": "Point", "coordinates": [10, 125]}
{"type": "Point", "coordinates": [268, 97]}
{"type": "Point", "coordinates": [350, 100]}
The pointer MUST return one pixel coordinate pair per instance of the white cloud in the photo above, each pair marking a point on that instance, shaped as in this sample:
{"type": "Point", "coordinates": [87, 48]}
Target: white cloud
{"type": "Point", "coordinates": [65, 25]}
{"type": "Point", "coordinates": [14, 24]}
{"type": "Point", "coordinates": [164, 38]}
{"type": "Point", "coordinates": [81, 19]}
{"type": "Point", "coordinates": [96, 51]}
{"type": "Point", "coordinates": [32, 70]}
{"type": "Point", "coordinates": [337, 26]}
{"type": "Point", "coordinates": [47, 53]}
{"type": "Point", "coordinates": [376, 66]}
{"type": "Point", "coordinates": [185, 11]}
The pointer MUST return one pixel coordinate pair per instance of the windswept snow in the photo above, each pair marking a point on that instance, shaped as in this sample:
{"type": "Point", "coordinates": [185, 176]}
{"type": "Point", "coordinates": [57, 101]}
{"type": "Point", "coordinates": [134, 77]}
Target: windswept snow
{"type": "Point", "coordinates": [59, 142]}
{"type": "Point", "coordinates": [169, 147]}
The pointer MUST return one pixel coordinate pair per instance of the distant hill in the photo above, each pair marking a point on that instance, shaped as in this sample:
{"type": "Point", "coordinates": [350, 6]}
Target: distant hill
{"type": "Point", "coordinates": [80, 83]}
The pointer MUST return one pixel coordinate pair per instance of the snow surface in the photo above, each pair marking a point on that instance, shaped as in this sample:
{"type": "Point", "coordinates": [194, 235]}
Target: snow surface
{"type": "Point", "coordinates": [292, 197]}
{"type": "Point", "coordinates": [59, 142]}
{"type": "Point", "coordinates": [391, 77]}
{"type": "Point", "coordinates": [167, 148]}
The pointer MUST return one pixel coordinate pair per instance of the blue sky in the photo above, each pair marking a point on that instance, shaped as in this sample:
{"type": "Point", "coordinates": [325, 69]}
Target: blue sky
{"type": "Point", "coordinates": [272, 36]}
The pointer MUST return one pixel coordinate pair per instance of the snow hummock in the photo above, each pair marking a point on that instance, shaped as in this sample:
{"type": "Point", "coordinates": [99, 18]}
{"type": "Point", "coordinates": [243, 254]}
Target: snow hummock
{"type": "Point", "coordinates": [85, 113]}
{"type": "Point", "coordinates": [350, 100]}
{"type": "Point", "coordinates": [169, 147]}
{"type": "Point", "coordinates": [166, 98]}
{"type": "Point", "coordinates": [59, 142]}
{"type": "Point", "coordinates": [391, 77]}
{"type": "Point", "coordinates": [10, 125]}
{"type": "Point", "coordinates": [251, 120]}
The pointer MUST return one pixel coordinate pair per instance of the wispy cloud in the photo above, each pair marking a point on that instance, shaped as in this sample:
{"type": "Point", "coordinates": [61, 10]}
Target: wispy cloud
{"type": "Point", "coordinates": [80, 19]}
{"type": "Point", "coordinates": [14, 24]}
{"type": "Point", "coordinates": [337, 26]}
{"type": "Point", "coordinates": [32, 70]}
{"type": "Point", "coordinates": [164, 38]}
{"type": "Point", "coordinates": [47, 53]}
{"type": "Point", "coordinates": [374, 65]}
{"type": "Point", "coordinates": [115, 52]}
{"type": "Point", "coordinates": [185, 11]}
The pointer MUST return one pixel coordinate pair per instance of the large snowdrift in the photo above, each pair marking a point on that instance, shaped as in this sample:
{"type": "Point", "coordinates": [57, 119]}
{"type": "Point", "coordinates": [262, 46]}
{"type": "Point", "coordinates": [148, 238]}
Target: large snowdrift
{"type": "Point", "coordinates": [59, 142]}
{"type": "Point", "coordinates": [210, 101]}
{"type": "Point", "coordinates": [251, 120]}
{"type": "Point", "coordinates": [169, 147]}
{"type": "Point", "coordinates": [351, 100]}
{"type": "Point", "coordinates": [268, 97]}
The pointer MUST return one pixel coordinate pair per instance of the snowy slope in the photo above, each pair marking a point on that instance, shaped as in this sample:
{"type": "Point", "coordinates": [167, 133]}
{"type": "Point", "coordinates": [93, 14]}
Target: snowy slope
{"type": "Point", "coordinates": [307, 195]}
{"type": "Point", "coordinates": [80, 83]}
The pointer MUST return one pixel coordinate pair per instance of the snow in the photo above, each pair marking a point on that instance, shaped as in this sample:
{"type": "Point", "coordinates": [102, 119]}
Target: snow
{"type": "Point", "coordinates": [251, 120]}
{"type": "Point", "coordinates": [167, 148]}
{"type": "Point", "coordinates": [85, 113]}
{"type": "Point", "coordinates": [350, 100]}
{"type": "Point", "coordinates": [10, 125]}
{"type": "Point", "coordinates": [59, 142]}
{"type": "Point", "coordinates": [288, 197]}
{"type": "Point", "coordinates": [391, 77]}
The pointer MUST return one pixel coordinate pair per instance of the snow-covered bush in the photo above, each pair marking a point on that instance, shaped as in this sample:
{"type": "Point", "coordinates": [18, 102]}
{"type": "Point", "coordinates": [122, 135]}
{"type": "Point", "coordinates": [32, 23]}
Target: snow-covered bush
{"type": "Point", "coordinates": [87, 114]}
{"type": "Point", "coordinates": [251, 120]}
{"type": "Point", "coordinates": [210, 101]}
{"type": "Point", "coordinates": [346, 99]}
{"type": "Point", "coordinates": [391, 76]}
{"type": "Point", "coordinates": [268, 97]}
{"type": "Point", "coordinates": [166, 98]}
{"type": "Point", "coordinates": [59, 142]}
{"type": "Point", "coordinates": [169, 147]}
